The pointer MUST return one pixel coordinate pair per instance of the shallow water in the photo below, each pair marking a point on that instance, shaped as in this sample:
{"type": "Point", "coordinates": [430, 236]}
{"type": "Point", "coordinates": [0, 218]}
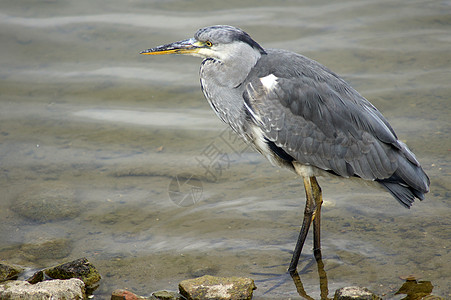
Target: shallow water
{"type": "Point", "coordinates": [93, 138]}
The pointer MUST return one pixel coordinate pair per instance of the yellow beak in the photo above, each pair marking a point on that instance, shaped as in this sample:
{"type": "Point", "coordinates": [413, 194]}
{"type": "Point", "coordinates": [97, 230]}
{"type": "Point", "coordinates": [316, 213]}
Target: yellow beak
{"type": "Point", "coordinates": [182, 47]}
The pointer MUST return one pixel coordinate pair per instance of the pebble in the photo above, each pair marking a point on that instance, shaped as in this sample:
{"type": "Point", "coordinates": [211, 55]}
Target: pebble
{"type": "Point", "coordinates": [355, 293]}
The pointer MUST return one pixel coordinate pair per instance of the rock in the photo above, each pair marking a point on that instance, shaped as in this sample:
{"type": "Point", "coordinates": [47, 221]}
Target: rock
{"type": "Point", "coordinates": [355, 293]}
{"type": "Point", "coordinates": [125, 295]}
{"type": "Point", "coordinates": [415, 289]}
{"type": "Point", "coordinates": [9, 271]}
{"type": "Point", "coordinates": [80, 268]}
{"type": "Point", "coordinates": [52, 289]}
{"type": "Point", "coordinates": [37, 277]}
{"type": "Point", "coordinates": [48, 201]}
{"type": "Point", "coordinates": [219, 288]}
{"type": "Point", "coordinates": [165, 295]}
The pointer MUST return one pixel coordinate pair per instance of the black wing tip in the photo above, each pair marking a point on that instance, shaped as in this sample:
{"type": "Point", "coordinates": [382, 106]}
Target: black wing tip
{"type": "Point", "coordinates": [404, 194]}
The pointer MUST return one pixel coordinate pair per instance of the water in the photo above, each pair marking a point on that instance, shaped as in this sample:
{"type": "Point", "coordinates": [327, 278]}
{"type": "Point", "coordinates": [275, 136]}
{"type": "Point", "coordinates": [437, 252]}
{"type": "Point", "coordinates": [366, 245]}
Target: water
{"type": "Point", "coordinates": [92, 136]}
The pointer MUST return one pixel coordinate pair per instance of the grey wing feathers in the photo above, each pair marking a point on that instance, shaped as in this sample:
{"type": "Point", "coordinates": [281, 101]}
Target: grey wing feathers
{"type": "Point", "coordinates": [318, 131]}
{"type": "Point", "coordinates": [321, 121]}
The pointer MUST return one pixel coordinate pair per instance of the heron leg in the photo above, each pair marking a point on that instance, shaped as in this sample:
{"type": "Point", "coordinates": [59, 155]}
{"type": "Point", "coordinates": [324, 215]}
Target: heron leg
{"type": "Point", "coordinates": [317, 195]}
{"type": "Point", "coordinates": [308, 215]}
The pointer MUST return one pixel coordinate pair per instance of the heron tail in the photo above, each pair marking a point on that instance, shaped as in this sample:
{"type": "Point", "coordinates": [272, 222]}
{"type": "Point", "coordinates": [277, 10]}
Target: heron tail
{"type": "Point", "coordinates": [405, 195]}
{"type": "Point", "coordinates": [409, 181]}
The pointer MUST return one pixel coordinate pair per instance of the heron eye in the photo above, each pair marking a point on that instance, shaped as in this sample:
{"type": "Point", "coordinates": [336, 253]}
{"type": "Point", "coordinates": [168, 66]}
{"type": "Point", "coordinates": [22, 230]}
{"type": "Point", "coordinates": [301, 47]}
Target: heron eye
{"type": "Point", "coordinates": [208, 44]}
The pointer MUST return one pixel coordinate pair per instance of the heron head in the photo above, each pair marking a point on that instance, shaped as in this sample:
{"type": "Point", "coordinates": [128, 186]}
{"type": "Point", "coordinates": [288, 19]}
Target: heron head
{"type": "Point", "coordinates": [220, 42]}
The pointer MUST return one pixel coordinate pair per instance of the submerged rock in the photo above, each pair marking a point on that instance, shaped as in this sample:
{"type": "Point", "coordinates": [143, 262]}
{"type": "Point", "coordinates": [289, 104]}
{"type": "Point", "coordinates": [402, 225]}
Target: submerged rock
{"type": "Point", "coordinates": [48, 201]}
{"type": "Point", "coordinates": [9, 271]}
{"type": "Point", "coordinates": [52, 289]}
{"type": "Point", "coordinates": [219, 288]}
{"type": "Point", "coordinates": [51, 249]}
{"type": "Point", "coordinates": [355, 293]}
{"type": "Point", "coordinates": [80, 268]}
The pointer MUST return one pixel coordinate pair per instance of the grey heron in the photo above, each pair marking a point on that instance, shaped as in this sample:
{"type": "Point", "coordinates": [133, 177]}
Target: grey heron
{"type": "Point", "coordinates": [302, 116]}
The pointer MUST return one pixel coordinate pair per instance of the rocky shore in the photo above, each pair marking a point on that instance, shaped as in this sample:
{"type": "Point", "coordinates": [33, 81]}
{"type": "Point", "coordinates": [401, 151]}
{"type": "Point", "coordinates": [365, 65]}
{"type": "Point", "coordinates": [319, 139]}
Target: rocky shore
{"type": "Point", "coordinates": [79, 278]}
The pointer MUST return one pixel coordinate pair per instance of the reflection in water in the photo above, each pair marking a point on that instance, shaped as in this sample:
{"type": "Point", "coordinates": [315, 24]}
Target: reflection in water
{"type": "Point", "coordinates": [412, 288]}
{"type": "Point", "coordinates": [284, 278]}
{"type": "Point", "coordinates": [322, 279]}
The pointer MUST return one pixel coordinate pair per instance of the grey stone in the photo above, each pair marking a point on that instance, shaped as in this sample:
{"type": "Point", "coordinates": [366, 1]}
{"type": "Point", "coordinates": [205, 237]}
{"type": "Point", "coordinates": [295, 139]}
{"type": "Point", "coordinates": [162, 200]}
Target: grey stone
{"type": "Point", "coordinates": [355, 293]}
{"type": "Point", "coordinates": [219, 288]}
{"type": "Point", "coordinates": [52, 289]}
